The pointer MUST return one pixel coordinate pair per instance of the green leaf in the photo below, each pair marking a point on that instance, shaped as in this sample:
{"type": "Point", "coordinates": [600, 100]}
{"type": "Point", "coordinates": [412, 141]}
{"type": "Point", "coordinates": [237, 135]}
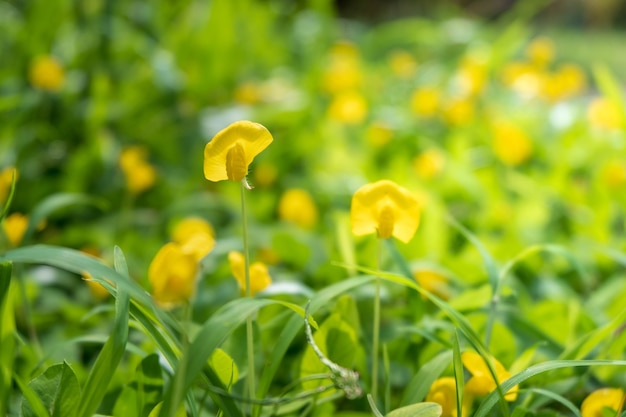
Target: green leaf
{"type": "Point", "coordinates": [458, 375]}
{"type": "Point", "coordinates": [420, 384]}
{"type": "Point", "coordinates": [7, 203]}
{"type": "Point", "coordinates": [7, 340]}
{"type": "Point", "coordinates": [417, 410]}
{"type": "Point", "coordinates": [37, 406]}
{"type": "Point", "coordinates": [146, 390]}
{"type": "Point", "coordinates": [106, 363]}
{"type": "Point", "coordinates": [225, 367]}
{"type": "Point", "coordinates": [58, 390]}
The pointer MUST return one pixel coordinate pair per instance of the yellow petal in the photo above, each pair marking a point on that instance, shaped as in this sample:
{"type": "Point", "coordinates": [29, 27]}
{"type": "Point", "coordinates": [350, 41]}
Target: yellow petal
{"type": "Point", "coordinates": [259, 275]}
{"type": "Point", "coordinates": [443, 392]}
{"type": "Point", "coordinates": [252, 137]}
{"type": "Point", "coordinates": [605, 397]}
{"type": "Point", "coordinates": [15, 226]}
{"type": "Point", "coordinates": [172, 274]}
{"type": "Point", "coordinates": [384, 208]}
{"type": "Point", "coordinates": [189, 226]}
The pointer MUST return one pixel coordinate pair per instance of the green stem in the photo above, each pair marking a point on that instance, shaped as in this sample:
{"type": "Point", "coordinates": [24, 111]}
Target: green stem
{"type": "Point", "coordinates": [376, 332]}
{"type": "Point", "coordinates": [249, 329]}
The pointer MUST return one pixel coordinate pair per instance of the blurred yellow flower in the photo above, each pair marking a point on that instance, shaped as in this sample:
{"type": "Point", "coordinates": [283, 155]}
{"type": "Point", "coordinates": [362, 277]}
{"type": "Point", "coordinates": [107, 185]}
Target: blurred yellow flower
{"type": "Point", "coordinates": [97, 290]}
{"type": "Point", "coordinates": [482, 382]}
{"type": "Point", "coordinates": [195, 236]}
{"type": "Point", "coordinates": [604, 114]}
{"type": "Point", "coordinates": [471, 77]}
{"type": "Point", "coordinates": [138, 172]}
{"type": "Point", "coordinates": [511, 144]}
{"type": "Point", "coordinates": [231, 151]}
{"type": "Point", "coordinates": [570, 81]}
{"type": "Point", "coordinates": [6, 178]}
{"type": "Point", "coordinates": [425, 101]}
{"type": "Point", "coordinates": [46, 73]}
{"type": "Point", "coordinates": [265, 174]}
{"type": "Point", "coordinates": [248, 93]}
{"type": "Point", "coordinates": [348, 107]}
{"type": "Point", "coordinates": [172, 274]}
{"type": "Point", "coordinates": [611, 398]}
{"type": "Point", "coordinates": [613, 174]}
{"type": "Point", "coordinates": [297, 206]}
{"type": "Point", "coordinates": [540, 51]}
{"type": "Point", "coordinates": [433, 282]}
{"type": "Point", "coordinates": [458, 111]}
{"type": "Point", "coordinates": [402, 64]}
{"type": "Point", "coordinates": [15, 226]}
{"type": "Point", "coordinates": [443, 392]}
{"type": "Point", "coordinates": [343, 71]}
{"type": "Point", "coordinates": [260, 278]}
{"type": "Point", "coordinates": [429, 163]}
{"type": "Point", "coordinates": [379, 134]}
{"type": "Point", "coordinates": [386, 209]}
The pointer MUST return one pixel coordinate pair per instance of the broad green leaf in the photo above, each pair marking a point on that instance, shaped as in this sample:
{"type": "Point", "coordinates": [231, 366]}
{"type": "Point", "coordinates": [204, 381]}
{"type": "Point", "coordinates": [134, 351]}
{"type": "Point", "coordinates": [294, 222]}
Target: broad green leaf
{"type": "Point", "coordinates": [30, 396]}
{"type": "Point", "coordinates": [225, 367]}
{"type": "Point", "coordinates": [420, 384]}
{"type": "Point", "coordinates": [7, 341]}
{"type": "Point", "coordinates": [58, 390]}
{"type": "Point", "coordinates": [417, 410]}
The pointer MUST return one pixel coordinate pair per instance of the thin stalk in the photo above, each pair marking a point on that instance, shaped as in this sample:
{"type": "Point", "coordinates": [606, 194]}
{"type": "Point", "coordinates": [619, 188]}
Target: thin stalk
{"type": "Point", "coordinates": [249, 329]}
{"type": "Point", "coordinates": [376, 330]}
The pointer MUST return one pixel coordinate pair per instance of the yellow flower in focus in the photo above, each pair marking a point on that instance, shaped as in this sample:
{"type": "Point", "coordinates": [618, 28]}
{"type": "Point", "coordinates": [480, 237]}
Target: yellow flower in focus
{"type": "Point", "coordinates": [403, 64]}
{"type": "Point", "coordinates": [429, 163]}
{"type": "Point", "coordinates": [348, 107]}
{"type": "Point", "coordinates": [172, 274]}
{"type": "Point", "coordinates": [296, 206]}
{"type": "Point", "coordinates": [46, 74]}
{"type": "Point", "coordinates": [459, 111]}
{"type": "Point", "coordinates": [195, 236]}
{"type": "Point", "coordinates": [433, 282]}
{"type": "Point", "coordinates": [482, 382]}
{"type": "Point", "coordinates": [386, 209]}
{"type": "Point", "coordinates": [614, 174]}
{"type": "Point", "coordinates": [511, 144]}
{"type": "Point", "coordinates": [139, 174]}
{"type": "Point", "coordinates": [6, 179]}
{"type": "Point", "coordinates": [425, 101]}
{"type": "Point", "coordinates": [15, 226]}
{"type": "Point", "coordinates": [540, 51]}
{"type": "Point", "coordinates": [231, 151]}
{"type": "Point", "coordinates": [443, 392]}
{"type": "Point", "coordinates": [604, 114]}
{"type": "Point", "coordinates": [260, 278]}
{"type": "Point", "coordinates": [379, 134]}
{"type": "Point", "coordinates": [612, 398]}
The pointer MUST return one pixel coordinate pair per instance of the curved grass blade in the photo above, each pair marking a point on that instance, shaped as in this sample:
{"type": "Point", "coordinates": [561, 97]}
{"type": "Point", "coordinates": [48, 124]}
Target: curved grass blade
{"type": "Point", "coordinates": [458, 375]}
{"type": "Point", "coordinates": [9, 200]}
{"type": "Point", "coordinates": [553, 395]}
{"type": "Point", "coordinates": [7, 341]}
{"type": "Point", "coordinates": [420, 384]}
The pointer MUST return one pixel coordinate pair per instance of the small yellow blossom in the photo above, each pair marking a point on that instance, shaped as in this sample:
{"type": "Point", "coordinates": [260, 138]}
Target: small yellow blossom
{"type": "Point", "coordinates": [425, 101]}
{"type": "Point", "coordinates": [540, 51]}
{"type": "Point", "coordinates": [604, 114]}
{"type": "Point", "coordinates": [511, 144]}
{"type": "Point", "coordinates": [343, 71]}
{"type": "Point", "coordinates": [379, 134]}
{"type": "Point", "coordinates": [403, 64]}
{"type": "Point", "coordinates": [386, 209]}
{"type": "Point", "coordinates": [612, 398]}
{"type": "Point", "coordinates": [443, 392]}
{"type": "Point", "coordinates": [567, 81]}
{"type": "Point", "coordinates": [433, 282]}
{"type": "Point", "coordinates": [482, 382]}
{"type": "Point", "coordinates": [231, 151]}
{"type": "Point", "coordinates": [15, 226]}
{"type": "Point", "coordinates": [429, 163]}
{"type": "Point", "coordinates": [614, 174]}
{"type": "Point", "coordinates": [297, 206]}
{"type": "Point", "coordinates": [139, 174]}
{"type": "Point", "coordinates": [6, 179]}
{"type": "Point", "coordinates": [190, 226]}
{"type": "Point", "coordinates": [46, 74]}
{"type": "Point", "coordinates": [458, 111]}
{"type": "Point", "coordinates": [471, 77]}
{"type": "Point", "coordinates": [260, 278]}
{"type": "Point", "coordinates": [172, 274]}
{"type": "Point", "coordinates": [248, 93]}
{"type": "Point", "coordinates": [348, 107]}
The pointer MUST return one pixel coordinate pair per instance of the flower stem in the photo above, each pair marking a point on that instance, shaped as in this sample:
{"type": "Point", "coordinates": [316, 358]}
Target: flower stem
{"type": "Point", "coordinates": [249, 329]}
{"type": "Point", "coordinates": [376, 330]}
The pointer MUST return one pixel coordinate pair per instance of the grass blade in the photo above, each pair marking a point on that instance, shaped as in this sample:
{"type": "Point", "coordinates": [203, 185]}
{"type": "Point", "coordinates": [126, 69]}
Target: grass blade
{"type": "Point", "coordinates": [7, 341]}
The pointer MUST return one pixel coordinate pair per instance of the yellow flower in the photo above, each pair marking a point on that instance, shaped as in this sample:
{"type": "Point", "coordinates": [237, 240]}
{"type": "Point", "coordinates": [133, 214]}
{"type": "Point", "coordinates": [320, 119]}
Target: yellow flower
{"type": "Point", "coordinates": [6, 178]}
{"type": "Point", "coordinates": [471, 76]}
{"type": "Point", "coordinates": [425, 101]}
{"type": "Point", "coordinates": [433, 282]}
{"type": "Point", "coordinates": [511, 144]}
{"type": "Point", "coordinates": [265, 174]}
{"type": "Point", "coordinates": [248, 93]}
{"type": "Point", "coordinates": [598, 400]}
{"type": "Point", "coordinates": [540, 51]}
{"type": "Point", "coordinates": [429, 163]}
{"type": "Point", "coordinates": [604, 114]}
{"type": "Point", "coordinates": [379, 134]}
{"type": "Point", "coordinates": [614, 174]}
{"type": "Point", "coordinates": [482, 382]}
{"type": "Point", "coordinates": [348, 107]}
{"type": "Point", "coordinates": [231, 151]}
{"type": "Point", "coordinates": [443, 392]}
{"type": "Point", "coordinates": [386, 209]}
{"type": "Point", "coordinates": [343, 71]}
{"type": "Point", "coordinates": [139, 174]}
{"type": "Point", "coordinates": [296, 206]}
{"type": "Point", "coordinates": [569, 80]}
{"type": "Point", "coordinates": [402, 64]}
{"type": "Point", "coordinates": [195, 235]}
{"type": "Point", "coordinates": [458, 111]}
{"type": "Point", "coordinates": [15, 226]}
{"type": "Point", "coordinates": [172, 274]}
{"type": "Point", "coordinates": [46, 74]}
{"type": "Point", "coordinates": [259, 276]}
